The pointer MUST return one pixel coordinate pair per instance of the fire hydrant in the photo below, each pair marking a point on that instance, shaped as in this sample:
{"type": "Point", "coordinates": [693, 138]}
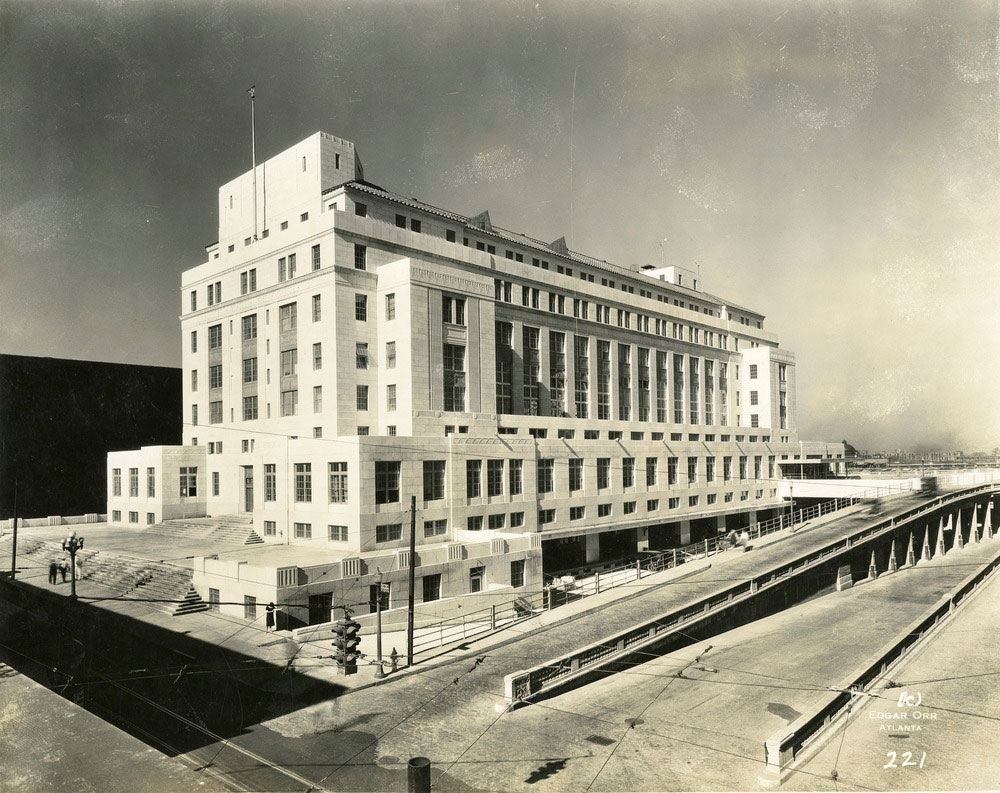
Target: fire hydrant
{"type": "Point", "coordinates": [394, 660]}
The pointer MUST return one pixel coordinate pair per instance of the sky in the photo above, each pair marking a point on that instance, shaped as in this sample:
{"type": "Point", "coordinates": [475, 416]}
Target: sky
{"type": "Point", "coordinates": [833, 165]}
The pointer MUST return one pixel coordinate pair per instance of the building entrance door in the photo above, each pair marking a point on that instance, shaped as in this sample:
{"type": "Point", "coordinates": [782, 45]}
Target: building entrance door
{"type": "Point", "coordinates": [248, 488]}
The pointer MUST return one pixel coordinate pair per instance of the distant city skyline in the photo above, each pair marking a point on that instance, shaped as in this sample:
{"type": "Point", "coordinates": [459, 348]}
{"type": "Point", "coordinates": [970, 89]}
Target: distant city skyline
{"type": "Point", "coordinates": [832, 164]}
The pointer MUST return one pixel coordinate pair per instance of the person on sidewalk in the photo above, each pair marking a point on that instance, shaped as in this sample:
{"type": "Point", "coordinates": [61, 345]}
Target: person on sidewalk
{"type": "Point", "coordinates": [63, 569]}
{"type": "Point", "coordinates": [269, 617]}
{"type": "Point", "coordinates": [53, 569]}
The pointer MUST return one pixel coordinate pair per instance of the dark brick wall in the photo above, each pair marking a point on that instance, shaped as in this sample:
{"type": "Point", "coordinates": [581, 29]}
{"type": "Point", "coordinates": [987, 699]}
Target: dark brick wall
{"type": "Point", "coordinates": [59, 419]}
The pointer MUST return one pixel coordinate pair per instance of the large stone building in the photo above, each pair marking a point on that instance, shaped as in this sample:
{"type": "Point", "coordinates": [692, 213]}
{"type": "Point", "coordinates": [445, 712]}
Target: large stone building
{"type": "Point", "coordinates": [346, 348]}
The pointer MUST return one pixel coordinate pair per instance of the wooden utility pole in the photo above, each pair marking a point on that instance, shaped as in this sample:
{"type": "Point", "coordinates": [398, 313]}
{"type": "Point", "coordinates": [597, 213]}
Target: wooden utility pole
{"type": "Point", "coordinates": [412, 579]}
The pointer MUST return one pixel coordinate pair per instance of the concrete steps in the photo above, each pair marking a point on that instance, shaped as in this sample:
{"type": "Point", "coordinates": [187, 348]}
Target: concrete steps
{"type": "Point", "coordinates": [168, 588]}
{"type": "Point", "coordinates": [235, 529]}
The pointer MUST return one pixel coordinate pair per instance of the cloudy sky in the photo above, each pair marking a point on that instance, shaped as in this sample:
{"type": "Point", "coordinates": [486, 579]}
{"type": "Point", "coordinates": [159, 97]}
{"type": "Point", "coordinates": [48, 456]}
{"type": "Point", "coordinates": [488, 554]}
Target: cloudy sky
{"type": "Point", "coordinates": [833, 164]}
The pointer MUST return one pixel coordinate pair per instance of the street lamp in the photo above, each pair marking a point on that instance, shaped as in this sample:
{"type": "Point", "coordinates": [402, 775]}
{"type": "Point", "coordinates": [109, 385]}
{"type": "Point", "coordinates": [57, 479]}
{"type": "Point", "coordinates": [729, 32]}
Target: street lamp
{"type": "Point", "coordinates": [379, 673]}
{"type": "Point", "coordinates": [71, 545]}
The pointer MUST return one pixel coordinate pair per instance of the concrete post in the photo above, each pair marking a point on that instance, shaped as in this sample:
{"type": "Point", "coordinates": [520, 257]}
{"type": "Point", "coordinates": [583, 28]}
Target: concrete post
{"type": "Point", "coordinates": [974, 530]}
{"type": "Point", "coordinates": [872, 571]}
{"type": "Point", "coordinates": [959, 543]}
{"type": "Point", "coordinates": [939, 549]}
{"type": "Point", "coordinates": [597, 583]}
{"type": "Point", "coordinates": [910, 558]}
{"type": "Point", "coordinates": [592, 546]}
{"type": "Point", "coordinates": [925, 552]}
{"type": "Point", "coordinates": [988, 520]}
{"type": "Point", "coordinates": [893, 564]}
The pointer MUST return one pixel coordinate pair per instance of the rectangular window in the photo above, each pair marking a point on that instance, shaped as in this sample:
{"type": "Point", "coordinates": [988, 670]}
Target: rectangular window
{"type": "Point", "coordinates": [401, 221]}
{"type": "Point", "coordinates": [453, 310]}
{"type": "Point", "coordinates": [189, 482]}
{"type": "Point", "coordinates": [678, 389]}
{"type": "Point", "coordinates": [709, 469]}
{"type": "Point", "coordinates": [516, 519]}
{"type": "Point", "coordinates": [692, 470]}
{"type": "Point", "coordinates": [581, 374]}
{"type": "Point", "coordinates": [516, 478]}
{"type": "Point", "coordinates": [494, 477]}
{"type": "Point", "coordinates": [628, 507]}
{"type": "Point", "coordinates": [557, 374]}
{"type": "Point", "coordinates": [390, 355]}
{"type": "Point", "coordinates": [431, 586]}
{"type": "Point", "coordinates": [361, 355]}
{"type": "Point", "coordinates": [338, 483]}
{"type": "Point", "coordinates": [390, 307]}
{"type": "Point", "coordinates": [434, 480]}
{"type": "Point", "coordinates": [727, 468]}
{"type": "Point", "coordinates": [361, 308]}
{"type": "Point", "coordinates": [215, 376]}
{"type": "Point", "coordinates": [361, 397]}
{"type": "Point", "coordinates": [151, 482]}
{"type": "Point", "coordinates": [473, 478]}
{"type": "Point", "coordinates": [387, 481]}
{"type": "Point", "coordinates": [546, 516]}
{"type": "Point", "coordinates": [531, 368]}
{"type": "Point", "coordinates": [291, 265]}
{"type": "Point", "coordinates": [315, 257]}
{"type": "Point", "coordinates": [753, 371]}
{"type": "Point", "coordinates": [628, 472]}
{"type": "Point", "coordinates": [624, 382]}
{"type": "Point", "coordinates": [194, 379]}
{"type": "Point", "coordinates": [288, 317]}
{"type": "Point", "coordinates": [270, 528]}
{"type": "Point", "coordinates": [194, 341]}
{"type": "Point", "coordinates": [361, 210]}
{"type": "Point", "coordinates": [215, 483]}
{"type": "Point", "coordinates": [249, 371]}
{"type": "Point", "coordinates": [575, 474]}
{"type": "Point", "coordinates": [454, 377]}
{"type": "Point", "coordinates": [743, 467]}
{"type": "Point", "coordinates": [390, 397]}
{"type": "Point", "coordinates": [214, 337]}
{"type": "Point", "coordinates": [504, 367]}
{"type": "Point", "coordinates": [603, 380]}
{"type": "Point", "coordinates": [289, 403]}
{"type": "Point", "coordinates": [133, 482]}
{"type": "Point", "coordinates": [435, 528]}
{"type": "Point", "coordinates": [317, 308]}
{"type": "Point", "coordinates": [303, 531]}
{"type": "Point", "coordinates": [360, 257]}
{"type": "Point", "coordinates": [517, 573]}
{"type": "Point", "coordinates": [603, 510]}
{"type": "Point", "coordinates": [651, 463]}
{"type": "Point", "coordinates": [250, 408]}
{"type": "Point", "coordinates": [249, 607]}
{"type": "Point", "coordinates": [303, 481]}
{"type": "Point", "coordinates": [215, 412]}
{"type": "Point", "coordinates": [317, 356]}
{"type": "Point", "coordinates": [577, 513]}
{"type": "Point", "coordinates": [249, 325]}
{"type": "Point", "coordinates": [474, 523]}
{"type": "Point", "coordinates": [270, 482]}
{"type": "Point", "coordinates": [603, 473]}
{"type": "Point", "coordinates": [336, 533]}
{"type": "Point", "coordinates": [317, 399]}
{"type": "Point", "coordinates": [389, 533]}
{"type": "Point", "coordinates": [116, 481]}
{"type": "Point", "coordinates": [546, 469]}
{"type": "Point", "coordinates": [289, 362]}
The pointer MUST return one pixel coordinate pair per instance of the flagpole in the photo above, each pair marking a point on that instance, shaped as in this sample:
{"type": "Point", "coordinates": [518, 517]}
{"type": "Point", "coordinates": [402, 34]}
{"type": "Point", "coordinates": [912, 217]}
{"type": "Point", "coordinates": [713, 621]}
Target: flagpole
{"type": "Point", "coordinates": [253, 154]}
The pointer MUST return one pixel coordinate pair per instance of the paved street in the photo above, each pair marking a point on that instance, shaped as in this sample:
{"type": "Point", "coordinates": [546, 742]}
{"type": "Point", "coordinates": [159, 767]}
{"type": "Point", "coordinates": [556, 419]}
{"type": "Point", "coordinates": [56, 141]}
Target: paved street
{"type": "Point", "coordinates": [703, 732]}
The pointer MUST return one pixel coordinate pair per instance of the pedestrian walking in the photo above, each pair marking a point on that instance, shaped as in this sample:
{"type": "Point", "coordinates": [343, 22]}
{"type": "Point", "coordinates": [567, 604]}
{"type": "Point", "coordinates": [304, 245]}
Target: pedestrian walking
{"type": "Point", "coordinates": [63, 569]}
{"type": "Point", "coordinates": [53, 569]}
{"type": "Point", "coordinates": [269, 617]}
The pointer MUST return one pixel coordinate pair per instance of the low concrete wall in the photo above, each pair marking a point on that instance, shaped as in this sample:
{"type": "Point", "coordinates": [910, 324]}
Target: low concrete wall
{"type": "Point", "coordinates": [52, 520]}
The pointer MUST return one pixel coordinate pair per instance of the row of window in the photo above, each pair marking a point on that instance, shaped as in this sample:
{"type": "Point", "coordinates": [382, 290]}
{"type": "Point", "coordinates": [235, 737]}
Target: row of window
{"type": "Point", "coordinates": [133, 482]}
{"type": "Point", "coordinates": [248, 278]}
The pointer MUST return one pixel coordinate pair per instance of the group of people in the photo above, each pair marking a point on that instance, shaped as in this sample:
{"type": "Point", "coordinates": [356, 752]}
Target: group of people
{"type": "Point", "coordinates": [57, 568]}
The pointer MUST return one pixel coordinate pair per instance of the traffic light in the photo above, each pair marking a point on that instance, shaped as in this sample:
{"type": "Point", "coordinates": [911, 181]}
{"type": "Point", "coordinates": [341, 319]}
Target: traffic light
{"type": "Point", "coordinates": [345, 644]}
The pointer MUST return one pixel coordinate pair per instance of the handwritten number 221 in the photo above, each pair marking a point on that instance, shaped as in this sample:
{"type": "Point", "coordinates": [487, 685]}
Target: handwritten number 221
{"type": "Point", "coordinates": [907, 760]}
